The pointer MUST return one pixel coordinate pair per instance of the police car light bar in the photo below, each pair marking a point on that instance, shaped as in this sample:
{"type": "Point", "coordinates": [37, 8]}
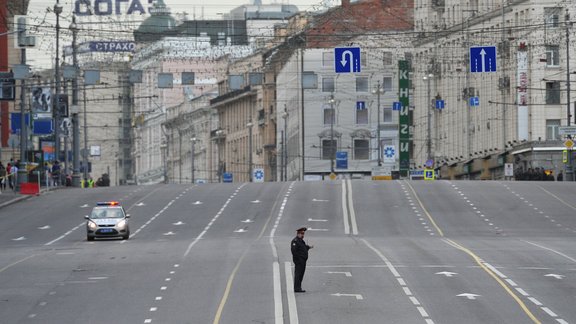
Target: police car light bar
{"type": "Point", "coordinates": [107, 203]}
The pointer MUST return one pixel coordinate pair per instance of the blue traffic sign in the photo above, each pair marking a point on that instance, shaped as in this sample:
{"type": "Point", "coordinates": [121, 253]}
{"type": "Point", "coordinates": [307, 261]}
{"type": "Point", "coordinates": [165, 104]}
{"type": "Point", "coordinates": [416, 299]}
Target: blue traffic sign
{"type": "Point", "coordinates": [347, 59]}
{"type": "Point", "coordinates": [341, 160]}
{"type": "Point", "coordinates": [439, 104]}
{"type": "Point", "coordinates": [397, 106]}
{"type": "Point", "coordinates": [360, 105]}
{"type": "Point", "coordinates": [227, 177]}
{"type": "Point", "coordinates": [483, 59]}
{"type": "Point", "coordinates": [474, 101]}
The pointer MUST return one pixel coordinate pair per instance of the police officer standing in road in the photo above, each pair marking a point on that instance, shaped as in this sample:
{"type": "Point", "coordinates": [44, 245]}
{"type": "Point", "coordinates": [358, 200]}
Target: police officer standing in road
{"type": "Point", "coordinates": [299, 256]}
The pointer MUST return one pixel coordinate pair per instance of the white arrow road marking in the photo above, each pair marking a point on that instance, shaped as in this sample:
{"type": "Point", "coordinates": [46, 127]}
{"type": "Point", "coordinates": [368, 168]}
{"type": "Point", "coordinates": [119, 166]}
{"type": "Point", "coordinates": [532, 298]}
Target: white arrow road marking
{"type": "Point", "coordinates": [247, 220]}
{"type": "Point", "coordinates": [468, 295]}
{"type": "Point", "coordinates": [85, 206]}
{"type": "Point", "coordinates": [169, 233]}
{"type": "Point", "coordinates": [446, 273]}
{"type": "Point", "coordinates": [256, 201]}
{"type": "Point", "coordinates": [319, 200]}
{"type": "Point", "coordinates": [44, 227]}
{"type": "Point", "coordinates": [557, 276]}
{"type": "Point", "coordinates": [346, 273]}
{"type": "Point", "coordinates": [317, 229]}
{"type": "Point", "coordinates": [317, 220]}
{"type": "Point", "coordinates": [178, 223]}
{"type": "Point", "coordinates": [197, 203]}
{"type": "Point", "coordinates": [140, 204]}
{"type": "Point", "coordinates": [358, 296]}
{"type": "Point", "coordinates": [241, 230]}
{"type": "Point", "coordinates": [21, 238]}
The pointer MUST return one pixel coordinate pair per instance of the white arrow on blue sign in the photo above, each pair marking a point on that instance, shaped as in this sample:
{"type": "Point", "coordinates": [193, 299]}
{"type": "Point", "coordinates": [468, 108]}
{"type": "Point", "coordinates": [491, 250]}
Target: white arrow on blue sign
{"type": "Point", "coordinates": [483, 59]}
{"type": "Point", "coordinates": [474, 101]}
{"type": "Point", "coordinates": [347, 59]}
{"type": "Point", "coordinates": [439, 104]}
{"type": "Point", "coordinates": [397, 106]}
{"type": "Point", "coordinates": [360, 105]}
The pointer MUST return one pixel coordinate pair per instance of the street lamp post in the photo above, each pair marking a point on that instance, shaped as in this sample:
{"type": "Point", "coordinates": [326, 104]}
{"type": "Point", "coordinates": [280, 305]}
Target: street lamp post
{"type": "Point", "coordinates": [332, 146]}
{"type": "Point", "coordinates": [57, 11]}
{"type": "Point", "coordinates": [285, 143]}
{"type": "Point", "coordinates": [379, 90]}
{"type": "Point", "coordinates": [75, 121]}
{"type": "Point", "coordinates": [192, 156]}
{"type": "Point", "coordinates": [219, 133]}
{"type": "Point", "coordinates": [428, 79]}
{"type": "Point", "coordinates": [163, 149]}
{"type": "Point", "coordinates": [250, 125]}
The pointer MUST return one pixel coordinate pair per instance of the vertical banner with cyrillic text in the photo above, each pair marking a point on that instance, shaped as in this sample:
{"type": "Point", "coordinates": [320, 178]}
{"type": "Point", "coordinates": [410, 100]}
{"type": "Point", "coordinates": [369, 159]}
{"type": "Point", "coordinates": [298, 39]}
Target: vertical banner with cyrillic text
{"type": "Point", "coordinates": [404, 120]}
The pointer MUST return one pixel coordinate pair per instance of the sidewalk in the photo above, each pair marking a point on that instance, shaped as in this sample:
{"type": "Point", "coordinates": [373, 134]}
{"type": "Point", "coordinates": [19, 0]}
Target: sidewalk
{"type": "Point", "coordinates": [8, 197]}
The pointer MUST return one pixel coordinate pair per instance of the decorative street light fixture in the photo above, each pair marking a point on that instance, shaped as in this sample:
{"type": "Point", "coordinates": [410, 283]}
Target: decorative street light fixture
{"type": "Point", "coordinates": [379, 90]}
{"type": "Point", "coordinates": [192, 156]}
{"type": "Point", "coordinates": [250, 125]}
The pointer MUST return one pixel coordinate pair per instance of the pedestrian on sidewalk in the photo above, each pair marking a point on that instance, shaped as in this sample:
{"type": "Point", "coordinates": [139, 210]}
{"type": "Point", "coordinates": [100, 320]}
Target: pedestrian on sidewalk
{"type": "Point", "coordinates": [299, 256]}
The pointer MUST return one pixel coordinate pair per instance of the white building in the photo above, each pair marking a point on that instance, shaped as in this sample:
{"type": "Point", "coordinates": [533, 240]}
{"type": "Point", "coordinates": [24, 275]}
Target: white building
{"type": "Point", "coordinates": [340, 107]}
{"type": "Point", "coordinates": [525, 100]}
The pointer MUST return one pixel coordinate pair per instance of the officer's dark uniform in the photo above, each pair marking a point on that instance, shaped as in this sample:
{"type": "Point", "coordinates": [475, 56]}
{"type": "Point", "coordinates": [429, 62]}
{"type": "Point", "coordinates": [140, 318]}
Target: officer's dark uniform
{"type": "Point", "coordinates": [299, 256]}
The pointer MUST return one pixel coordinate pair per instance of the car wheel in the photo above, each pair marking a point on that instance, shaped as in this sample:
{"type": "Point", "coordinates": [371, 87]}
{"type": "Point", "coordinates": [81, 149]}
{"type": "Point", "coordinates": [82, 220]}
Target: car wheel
{"type": "Point", "coordinates": [125, 237]}
{"type": "Point", "coordinates": [90, 238]}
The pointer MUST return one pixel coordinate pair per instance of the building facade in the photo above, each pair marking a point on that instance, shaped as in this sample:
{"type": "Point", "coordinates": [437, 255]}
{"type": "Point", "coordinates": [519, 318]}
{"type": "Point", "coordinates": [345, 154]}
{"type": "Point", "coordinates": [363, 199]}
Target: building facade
{"type": "Point", "coordinates": [487, 114]}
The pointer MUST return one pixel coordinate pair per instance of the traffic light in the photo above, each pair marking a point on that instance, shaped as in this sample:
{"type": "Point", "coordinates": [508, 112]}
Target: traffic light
{"type": "Point", "coordinates": [62, 105]}
{"type": "Point", "coordinates": [7, 84]}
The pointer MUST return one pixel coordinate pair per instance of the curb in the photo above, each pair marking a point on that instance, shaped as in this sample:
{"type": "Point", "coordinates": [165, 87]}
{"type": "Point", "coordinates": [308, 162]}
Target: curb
{"type": "Point", "coordinates": [13, 201]}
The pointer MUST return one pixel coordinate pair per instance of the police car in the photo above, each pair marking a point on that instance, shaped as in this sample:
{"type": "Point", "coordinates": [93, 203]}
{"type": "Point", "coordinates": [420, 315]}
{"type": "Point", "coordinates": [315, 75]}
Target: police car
{"type": "Point", "coordinates": [108, 219]}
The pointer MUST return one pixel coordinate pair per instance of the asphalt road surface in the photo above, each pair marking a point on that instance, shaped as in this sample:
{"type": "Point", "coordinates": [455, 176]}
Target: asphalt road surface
{"type": "Point", "coordinates": [384, 252]}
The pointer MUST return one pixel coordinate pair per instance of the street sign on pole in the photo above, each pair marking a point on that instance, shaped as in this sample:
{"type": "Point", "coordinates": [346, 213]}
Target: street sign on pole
{"type": "Point", "coordinates": [258, 175]}
{"type": "Point", "coordinates": [360, 105]}
{"type": "Point", "coordinates": [227, 177]}
{"type": "Point", "coordinates": [482, 59]}
{"type": "Point", "coordinates": [341, 160]}
{"type": "Point", "coordinates": [439, 104]}
{"type": "Point", "coordinates": [567, 130]}
{"type": "Point", "coordinates": [474, 101]}
{"type": "Point", "coordinates": [397, 106]}
{"type": "Point", "coordinates": [347, 59]}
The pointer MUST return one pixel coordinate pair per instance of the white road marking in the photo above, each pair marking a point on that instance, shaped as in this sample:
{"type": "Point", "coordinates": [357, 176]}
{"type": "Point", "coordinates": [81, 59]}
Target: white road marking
{"type": "Point", "coordinates": [319, 200]}
{"type": "Point", "coordinates": [148, 320]}
{"type": "Point", "coordinates": [21, 238]}
{"type": "Point", "coordinates": [317, 229]}
{"type": "Point", "coordinates": [345, 209]}
{"type": "Point", "coordinates": [357, 296]}
{"type": "Point", "coordinates": [85, 206]}
{"type": "Point", "coordinates": [446, 273]}
{"type": "Point", "coordinates": [553, 275]}
{"type": "Point", "coordinates": [178, 223]}
{"type": "Point", "coordinates": [317, 220]}
{"type": "Point", "coordinates": [158, 298]}
{"type": "Point", "coordinates": [140, 204]}
{"type": "Point", "coordinates": [163, 288]}
{"type": "Point", "coordinates": [256, 201]}
{"type": "Point", "coordinates": [469, 296]}
{"type": "Point", "coordinates": [169, 233]}
{"type": "Point", "coordinates": [535, 301]}
{"type": "Point", "coordinates": [65, 234]}
{"type": "Point", "coordinates": [292, 310]}
{"type": "Point", "coordinates": [197, 203]}
{"type": "Point", "coordinates": [97, 278]}
{"type": "Point", "coordinates": [552, 250]}
{"type": "Point", "coordinates": [352, 210]}
{"type": "Point", "coordinates": [247, 221]}
{"type": "Point", "coordinates": [549, 312]}
{"type": "Point", "coordinates": [241, 230]}
{"type": "Point", "coordinates": [153, 309]}
{"type": "Point", "coordinates": [278, 308]}
{"type": "Point", "coordinates": [398, 277]}
{"type": "Point", "coordinates": [44, 227]}
{"type": "Point", "coordinates": [346, 273]}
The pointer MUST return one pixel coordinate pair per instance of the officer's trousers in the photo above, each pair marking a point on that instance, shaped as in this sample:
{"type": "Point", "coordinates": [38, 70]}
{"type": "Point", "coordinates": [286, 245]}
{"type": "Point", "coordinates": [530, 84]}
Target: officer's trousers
{"type": "Point", "coordinates": [299, 269]}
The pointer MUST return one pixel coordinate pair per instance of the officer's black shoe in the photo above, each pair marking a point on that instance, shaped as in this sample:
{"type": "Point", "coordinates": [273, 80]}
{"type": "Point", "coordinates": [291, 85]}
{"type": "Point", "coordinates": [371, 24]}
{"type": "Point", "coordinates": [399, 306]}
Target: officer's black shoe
{"type": "Point", "coordinates": [300, 291]}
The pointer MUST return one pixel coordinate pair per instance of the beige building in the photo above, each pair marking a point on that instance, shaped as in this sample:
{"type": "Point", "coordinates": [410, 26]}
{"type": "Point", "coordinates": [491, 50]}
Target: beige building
{"type": "Point", "coordinates": [524, 101]}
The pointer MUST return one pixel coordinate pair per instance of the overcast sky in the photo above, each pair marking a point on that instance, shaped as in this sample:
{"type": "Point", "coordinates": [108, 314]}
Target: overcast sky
{"type": "Point", "coordinates": [43, 20]}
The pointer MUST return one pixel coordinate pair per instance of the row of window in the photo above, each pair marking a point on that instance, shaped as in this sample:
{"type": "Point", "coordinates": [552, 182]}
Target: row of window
{"type": "Point", "coordinates": [361, 116]}
{"type": "Point", "coordinates": [362, 84]}
{"type": "Point", "coordinates": [360, 151]}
